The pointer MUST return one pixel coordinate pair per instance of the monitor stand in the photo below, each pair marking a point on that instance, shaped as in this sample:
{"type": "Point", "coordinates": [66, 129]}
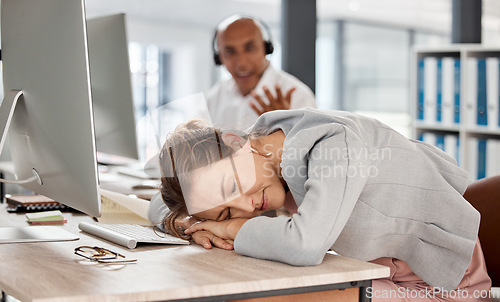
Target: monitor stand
{"type": "Point", "coordinates": [29, 233]}
{"type": "Point", "coordinates": [6, 111]}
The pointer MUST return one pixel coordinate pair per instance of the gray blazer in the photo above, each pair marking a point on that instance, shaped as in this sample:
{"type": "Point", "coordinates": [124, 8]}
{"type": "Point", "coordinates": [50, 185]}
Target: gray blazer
{"type": "Point", "coordinates": [365, 191]}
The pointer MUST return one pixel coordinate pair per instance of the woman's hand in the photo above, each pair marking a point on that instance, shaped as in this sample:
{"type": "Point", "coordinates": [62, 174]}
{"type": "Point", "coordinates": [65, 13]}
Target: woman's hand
{"type": "Point", "coordinates": [226, 229]}
{"type": "Point", "coordinates": [203, 238]}
{"type": "Point", "coordinates": [207, 240]}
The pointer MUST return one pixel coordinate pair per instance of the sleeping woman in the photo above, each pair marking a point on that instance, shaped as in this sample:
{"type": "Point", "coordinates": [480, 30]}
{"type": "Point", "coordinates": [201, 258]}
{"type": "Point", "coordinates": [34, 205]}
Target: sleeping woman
{"type": "Point", "coordinates": [350, 183]}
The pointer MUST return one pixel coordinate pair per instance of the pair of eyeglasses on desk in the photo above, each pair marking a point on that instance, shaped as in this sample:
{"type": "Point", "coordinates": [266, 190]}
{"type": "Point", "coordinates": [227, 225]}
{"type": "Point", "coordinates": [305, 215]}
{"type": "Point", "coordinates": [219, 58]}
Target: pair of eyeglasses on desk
{"type": "Point", "coordinates": [102, 255]}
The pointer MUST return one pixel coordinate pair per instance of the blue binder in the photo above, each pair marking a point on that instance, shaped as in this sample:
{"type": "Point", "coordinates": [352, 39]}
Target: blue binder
{"type": "Point", "coordinates": [457, 91]}
{"type": "Point", "coordinates": [440, 141]}
{"type": "Point", "coordinates": [439, 91]}
{"type": "Point", "coordinates": [482, 117]}
{"type": "Point", "coordinates": [421, 87]}
{"type": "Point", "coordinates": [481, 158]}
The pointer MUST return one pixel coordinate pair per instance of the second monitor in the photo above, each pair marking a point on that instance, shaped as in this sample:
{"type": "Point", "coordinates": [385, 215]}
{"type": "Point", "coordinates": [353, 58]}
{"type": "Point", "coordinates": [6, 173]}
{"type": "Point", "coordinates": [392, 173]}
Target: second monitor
{"type": "Point", "coordinates": [111, 87]}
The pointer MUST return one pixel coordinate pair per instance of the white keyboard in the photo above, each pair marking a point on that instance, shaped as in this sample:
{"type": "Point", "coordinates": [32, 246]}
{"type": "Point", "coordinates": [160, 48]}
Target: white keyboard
{"type": "Point", "coordinates": [129, 234]}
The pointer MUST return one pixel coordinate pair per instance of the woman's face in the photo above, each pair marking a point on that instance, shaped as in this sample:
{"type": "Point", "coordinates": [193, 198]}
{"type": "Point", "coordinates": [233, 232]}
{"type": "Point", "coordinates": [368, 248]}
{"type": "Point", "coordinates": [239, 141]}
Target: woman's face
{"type": "Point", "coordinates": [241, 186]}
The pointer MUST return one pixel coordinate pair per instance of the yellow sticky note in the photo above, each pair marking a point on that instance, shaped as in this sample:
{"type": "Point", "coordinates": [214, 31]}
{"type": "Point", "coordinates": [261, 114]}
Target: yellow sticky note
{"type": "Point", "coordinates": [45, 216]}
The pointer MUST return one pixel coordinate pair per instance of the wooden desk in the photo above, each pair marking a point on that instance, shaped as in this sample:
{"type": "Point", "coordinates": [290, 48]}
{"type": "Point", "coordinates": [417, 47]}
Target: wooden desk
{"type": "Point", "coordinates": [52, 272]}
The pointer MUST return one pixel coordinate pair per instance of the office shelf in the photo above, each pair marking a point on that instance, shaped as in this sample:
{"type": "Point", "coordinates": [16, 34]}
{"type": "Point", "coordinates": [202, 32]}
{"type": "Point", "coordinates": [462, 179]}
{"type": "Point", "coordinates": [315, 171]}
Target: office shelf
{"type": "Point", "coordinates": [465, 128]}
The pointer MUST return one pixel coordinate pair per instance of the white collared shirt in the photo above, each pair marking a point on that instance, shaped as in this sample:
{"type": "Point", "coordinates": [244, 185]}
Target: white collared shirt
{"type": "Point", "coordinates": [229, 109]}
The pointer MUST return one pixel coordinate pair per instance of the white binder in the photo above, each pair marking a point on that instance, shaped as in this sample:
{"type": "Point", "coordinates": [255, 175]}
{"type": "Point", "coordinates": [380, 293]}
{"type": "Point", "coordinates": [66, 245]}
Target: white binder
{"type": "Point", "coordinates": [471, 100]}
{"type": "Point", "coordinates": [448, 93]}
{"type": "Point", "coordinates": [492, 93]}
{"type": "Point", "coordinates": [492, 157]}
{"type": "Point", "coordinates": [451, 145]}
{"type": "Point", "coordinates": [429, 138]}
{"type": "Point", "coordinates": [472, 157]}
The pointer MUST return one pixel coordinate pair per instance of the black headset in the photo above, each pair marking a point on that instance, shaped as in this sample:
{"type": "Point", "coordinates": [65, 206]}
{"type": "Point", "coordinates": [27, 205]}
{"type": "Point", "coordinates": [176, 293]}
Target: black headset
{"type": "Point", "coordinates": [264, 29]}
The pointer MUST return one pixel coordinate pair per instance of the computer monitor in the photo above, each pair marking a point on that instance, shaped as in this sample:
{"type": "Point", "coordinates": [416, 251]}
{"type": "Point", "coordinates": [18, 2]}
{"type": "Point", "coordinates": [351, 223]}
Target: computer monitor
{"type": "Point", "coordinates": [46, 70]}
{"type": "Point", "coordinates": [113, 104]}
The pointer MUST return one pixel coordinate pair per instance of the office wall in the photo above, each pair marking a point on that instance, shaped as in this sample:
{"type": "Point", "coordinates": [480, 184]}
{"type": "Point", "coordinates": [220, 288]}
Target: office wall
{"type": "Point", "coordinates": [361, 65]}
{"type": "Point", "coordinates": [189, 48]}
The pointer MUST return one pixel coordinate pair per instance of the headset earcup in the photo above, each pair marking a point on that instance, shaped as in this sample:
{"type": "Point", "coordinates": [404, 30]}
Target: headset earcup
{"type": "Point", "coordinates": [268, 45]}
{"type": "Point", "coordinates": [217, 59]}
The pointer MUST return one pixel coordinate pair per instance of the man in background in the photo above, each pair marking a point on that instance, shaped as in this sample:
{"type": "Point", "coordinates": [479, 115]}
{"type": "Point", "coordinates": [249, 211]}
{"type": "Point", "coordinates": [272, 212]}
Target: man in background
{"type": "Point", "coordinates": [255, 86]}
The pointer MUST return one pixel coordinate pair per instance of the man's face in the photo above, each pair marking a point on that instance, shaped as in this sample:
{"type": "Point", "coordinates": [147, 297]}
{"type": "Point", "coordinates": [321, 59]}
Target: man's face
{"type": "Point", "coordinates": [241, 50]}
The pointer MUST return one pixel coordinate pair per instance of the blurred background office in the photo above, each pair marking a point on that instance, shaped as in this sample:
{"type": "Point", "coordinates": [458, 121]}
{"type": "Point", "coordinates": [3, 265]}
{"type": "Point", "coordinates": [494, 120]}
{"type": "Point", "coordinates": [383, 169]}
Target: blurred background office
{"type": "Point", "coordinates": [363, 48]}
